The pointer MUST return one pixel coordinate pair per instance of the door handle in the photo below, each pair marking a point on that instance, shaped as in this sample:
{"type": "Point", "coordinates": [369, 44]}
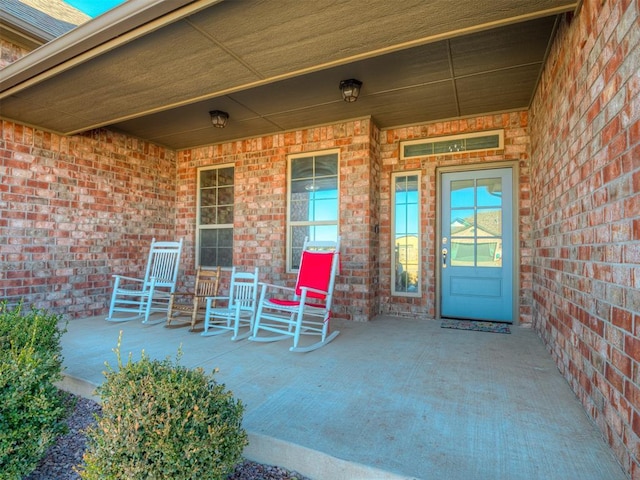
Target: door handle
{"type": "Point", "coordinates": [444, 257]}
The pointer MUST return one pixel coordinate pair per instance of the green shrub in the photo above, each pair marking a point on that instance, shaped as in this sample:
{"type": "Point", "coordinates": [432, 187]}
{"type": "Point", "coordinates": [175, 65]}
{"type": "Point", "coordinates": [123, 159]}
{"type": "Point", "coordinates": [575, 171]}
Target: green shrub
{"type": "Point", "coordinates": [160, 420]}
{"type": "Point", "coordinates": [32, 409]}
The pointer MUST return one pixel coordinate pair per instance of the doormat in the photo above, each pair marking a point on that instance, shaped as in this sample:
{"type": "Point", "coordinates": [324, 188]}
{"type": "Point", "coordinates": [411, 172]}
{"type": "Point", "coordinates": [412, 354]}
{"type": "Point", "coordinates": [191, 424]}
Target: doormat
{"type": "Point", "coordinates": [493, 327]}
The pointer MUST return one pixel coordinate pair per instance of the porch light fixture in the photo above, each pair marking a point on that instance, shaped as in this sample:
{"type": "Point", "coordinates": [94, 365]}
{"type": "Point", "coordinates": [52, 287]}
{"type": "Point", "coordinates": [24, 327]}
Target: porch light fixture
{"type": "Point", "coordinates": [219, 118]}
{"type": "Point", "coordinates": [350, 89]}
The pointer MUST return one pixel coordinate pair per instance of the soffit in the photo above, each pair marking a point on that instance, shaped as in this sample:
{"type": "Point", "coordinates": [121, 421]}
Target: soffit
{"type": "Point", "coordinates": [276, 66]}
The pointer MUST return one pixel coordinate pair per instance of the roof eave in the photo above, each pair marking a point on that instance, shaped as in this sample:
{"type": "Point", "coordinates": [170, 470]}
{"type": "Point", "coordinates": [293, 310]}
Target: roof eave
{"type": "Point", "coordinates": [23, 32]}
{"type": "Point", "coordinates": [116, 27]}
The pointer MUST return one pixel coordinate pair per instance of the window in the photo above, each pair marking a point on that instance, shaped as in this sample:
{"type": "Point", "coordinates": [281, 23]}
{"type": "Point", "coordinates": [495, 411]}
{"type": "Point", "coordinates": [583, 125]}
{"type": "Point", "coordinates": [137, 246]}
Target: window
{"type": "Point", "coordinates": [313, 202]}
{"type": "Point", "coordinates": [493, 140]}
{"type": "Point", "coordinates": [405, 259]}
{"type": "Point", "coordinates": [215, 217]}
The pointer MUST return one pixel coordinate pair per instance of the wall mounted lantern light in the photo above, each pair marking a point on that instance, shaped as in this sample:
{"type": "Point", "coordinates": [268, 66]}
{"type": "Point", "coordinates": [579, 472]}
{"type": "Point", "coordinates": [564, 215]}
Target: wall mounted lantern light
{"type": "Point", "coordinates": [219, 118]}
{"type": "Point", "coordinates": [350, 89]}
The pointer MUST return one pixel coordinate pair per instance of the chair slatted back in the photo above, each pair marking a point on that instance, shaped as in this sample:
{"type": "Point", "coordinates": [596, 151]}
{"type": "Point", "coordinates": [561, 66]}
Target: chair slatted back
{"type": "Point", "coordinates": [163, 263]}
{"type": "Point", "coordinates": [243, 290]}
{"type": "Point", "coordinates": [207, 282]}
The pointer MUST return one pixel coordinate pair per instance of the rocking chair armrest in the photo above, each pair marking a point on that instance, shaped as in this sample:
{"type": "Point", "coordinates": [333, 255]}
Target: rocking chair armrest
{"type": "Point", "coordinates": [217, 300]}
{"type": "Point", "coordinates": [132, 279]}
{"type": "Point", "coordinates": [182, 294]}
{"type": "Point", "coordinates": [213, 297]}
{"type": "Point", "coordinates": [276, 287]}
{"type": "Point", "coordinates": [314, 290]}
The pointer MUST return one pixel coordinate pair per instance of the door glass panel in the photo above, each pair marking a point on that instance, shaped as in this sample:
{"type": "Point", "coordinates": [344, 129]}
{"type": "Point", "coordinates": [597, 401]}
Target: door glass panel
{"type": "Point", "coordinates": [489, 192]}
{"type": "Point", "coordinates": [462, 193]}
{"type": "Point", "coordinates": [463, 222]}
{"type": "Point", "coordinates": [489, 252]}
{"type": "Point", "coordinates": [489, 222]}
{"type": "Point", "coordinates": [476, 223]}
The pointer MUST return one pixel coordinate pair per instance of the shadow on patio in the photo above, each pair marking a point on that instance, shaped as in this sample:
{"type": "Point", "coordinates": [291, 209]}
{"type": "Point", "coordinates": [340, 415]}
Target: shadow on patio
{"type": "Point", "coordinates": [392, 398]}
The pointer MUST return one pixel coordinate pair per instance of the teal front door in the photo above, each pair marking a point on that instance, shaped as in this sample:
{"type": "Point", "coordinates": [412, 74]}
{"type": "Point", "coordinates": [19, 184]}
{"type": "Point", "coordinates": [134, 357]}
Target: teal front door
{"type": "Point", "coordinates": [476, 245]}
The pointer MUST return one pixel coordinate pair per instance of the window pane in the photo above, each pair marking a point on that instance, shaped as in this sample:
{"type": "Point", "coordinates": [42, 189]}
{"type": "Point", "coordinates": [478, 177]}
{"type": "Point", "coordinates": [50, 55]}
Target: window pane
{"type": "Point", "coordinates": [449, 146]}
{"type": "Point", "coordinates": [407, 264]}
{"type": "Point", "coordinates": [302, 168]}
{"type": "Point", "coordinates": [489, 221]}
{"type": "Point", "coordinates": [225, 196]}
{"type": "Point", "coordinates": [406, 257]}
{"type": "Point", "coordinates": [325, 210]}
{"type": "Point", "coordinates": [207, 216]}
{"type": "Point", "coordinates": [490, 192]}
{"type": "Point", "coordinates": [208, 178]}
{"type": "Point", "coordinates": [298, 235]}
{"type": "Point", "coordinates": [489, 252]}
{"type": "Point", "coordinates": [483, 143]}
{"type": "Point", "coordinates": [225, 257]}
{"type": "Point", "coordinates": [462, 252]}
{"type": "Point", "coordinates": [215, 219]}
{"type": "Point", "coordinates": [302, 187]}
{"type": "Point", "coordinates": [324, 232]}
{"type": "Point", "coordinates": [216, 247]}
{"type": "Point", "coordinates": [225, 176]}
{"type": "Point", "coordinates": [326, 165]}
{"type": "Point", "coordinates": [463, 222]}
{"type": "Point", "coordinates": [208, 197]}
{"type": "Point", "coordinates": [299, 206]}
{"type": "Point", "coordinates": [225, 215]}
{"type": "Point", "coordinates": [462, 193]}
{"type": "Point", "coordinates": [327, 187]}
{"type": "Point", "coordinates": [313, 202]}
{"type": "Point", "coordinates": [317, 232]}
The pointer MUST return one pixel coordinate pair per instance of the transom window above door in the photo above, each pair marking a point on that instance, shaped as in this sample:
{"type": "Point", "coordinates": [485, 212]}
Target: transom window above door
{"type": "Point", "coordinates": [313, 202]}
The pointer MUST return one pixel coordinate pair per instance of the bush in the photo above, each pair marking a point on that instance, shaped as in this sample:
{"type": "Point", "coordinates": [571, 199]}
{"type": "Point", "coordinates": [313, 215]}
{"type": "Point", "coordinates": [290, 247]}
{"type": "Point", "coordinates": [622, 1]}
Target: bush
{"type": "Point", "coordinates": [32, 409]}
{"type": "Point", "coordinates": [160, 420]}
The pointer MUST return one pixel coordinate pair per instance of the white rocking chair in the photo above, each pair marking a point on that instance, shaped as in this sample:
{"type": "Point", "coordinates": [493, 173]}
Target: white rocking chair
{"type": "Point", "coordinates": [308, 309]}
{"type": "Point", "coordinates": [143, 296]}
{"type": "Point", "coordinates": [240, 308]}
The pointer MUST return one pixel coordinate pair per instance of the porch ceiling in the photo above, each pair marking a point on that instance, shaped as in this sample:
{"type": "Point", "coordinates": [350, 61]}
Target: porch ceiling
{"type": "Point", "coordinates": [276, 66]}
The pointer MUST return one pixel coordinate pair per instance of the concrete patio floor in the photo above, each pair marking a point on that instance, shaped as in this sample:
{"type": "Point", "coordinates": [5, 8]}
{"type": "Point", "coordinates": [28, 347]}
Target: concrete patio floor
{"type": "Point", "coordinates": [392, 398]}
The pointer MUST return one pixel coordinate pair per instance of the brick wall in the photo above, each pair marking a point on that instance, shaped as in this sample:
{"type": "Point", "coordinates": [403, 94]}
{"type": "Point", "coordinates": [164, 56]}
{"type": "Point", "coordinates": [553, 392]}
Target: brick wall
{"type": "Point", "coordinates": [10, 52]}
{"type": "Point", "coordinates": [585, 177]}
{"type": "Point", "coordinates": [367, 159]}
{"type": "Point", "coordinates": [74, 211]}
{"type": "Point", "coordinates": [516, 148]}
{"type": "Point", "coordinates": [261, 205]}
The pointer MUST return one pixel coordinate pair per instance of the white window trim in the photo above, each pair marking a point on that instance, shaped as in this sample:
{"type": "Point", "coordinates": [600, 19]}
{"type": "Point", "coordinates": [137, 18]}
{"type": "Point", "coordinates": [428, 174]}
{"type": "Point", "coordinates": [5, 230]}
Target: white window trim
{"type": "Point", "coordinates": [290, 158]}
{"type": "Point", "coordinates": [418, 292]}
{"type": "Point", "coordinates": [200, 227]}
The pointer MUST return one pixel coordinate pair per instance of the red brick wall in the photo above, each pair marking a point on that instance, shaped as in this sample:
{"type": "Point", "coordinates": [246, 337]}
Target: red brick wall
{"type": "Point", "coordinates": [367, 159]}
{"type": "Point", "coordinates": [516, 148]}
{"type": "Point", "coordinates": [10, 52]}
{"type": "Point", "coordinates": [585, 177]}
{"type": "Point", "coordinates": [74, 211]}
{"type": "Point", "coordinates": [261, 205]}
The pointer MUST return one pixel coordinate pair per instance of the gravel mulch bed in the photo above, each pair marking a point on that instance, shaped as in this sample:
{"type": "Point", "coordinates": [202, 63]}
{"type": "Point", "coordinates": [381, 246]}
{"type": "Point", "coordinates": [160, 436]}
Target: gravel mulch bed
{"type": "Point", "coordinates": [67, 452]}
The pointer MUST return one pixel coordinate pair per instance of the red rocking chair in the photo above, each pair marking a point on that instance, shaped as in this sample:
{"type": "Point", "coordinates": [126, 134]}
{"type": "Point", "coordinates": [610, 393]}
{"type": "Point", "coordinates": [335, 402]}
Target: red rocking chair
{"type": "Point", "coordinates": [307, 308]}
